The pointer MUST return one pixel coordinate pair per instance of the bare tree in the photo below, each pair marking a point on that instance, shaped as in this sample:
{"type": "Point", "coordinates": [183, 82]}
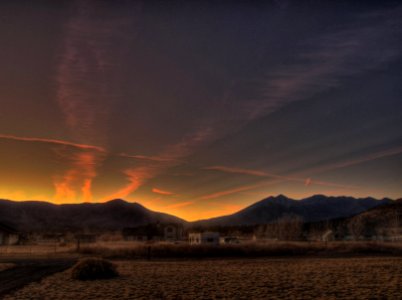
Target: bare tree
{"type": "Point", "coordinates": [288, 228]}
{"type": "Point", "coordinates": [356, 227]}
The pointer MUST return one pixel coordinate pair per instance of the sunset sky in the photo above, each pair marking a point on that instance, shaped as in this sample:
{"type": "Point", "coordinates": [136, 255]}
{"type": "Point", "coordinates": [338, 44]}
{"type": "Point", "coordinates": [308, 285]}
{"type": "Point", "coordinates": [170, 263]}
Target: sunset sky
{"type": "Point", "coordinates": [199, 108]}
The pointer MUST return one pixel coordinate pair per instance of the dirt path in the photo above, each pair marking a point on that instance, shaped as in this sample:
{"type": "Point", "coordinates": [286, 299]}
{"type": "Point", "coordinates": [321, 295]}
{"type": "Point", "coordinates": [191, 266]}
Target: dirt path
{"type": "Point", "coordinates": [26, 272]}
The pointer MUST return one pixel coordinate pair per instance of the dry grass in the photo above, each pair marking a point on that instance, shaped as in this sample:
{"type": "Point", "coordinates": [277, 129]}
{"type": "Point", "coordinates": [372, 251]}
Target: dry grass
{"type": "Point", "coordinates": [93, 269]}
{"type": "Point", "coordinates": [290, 278]}
{"type": "Point", "coordinates": [251, 250]}
{"type": "Point", "coordinates": [35, 249]}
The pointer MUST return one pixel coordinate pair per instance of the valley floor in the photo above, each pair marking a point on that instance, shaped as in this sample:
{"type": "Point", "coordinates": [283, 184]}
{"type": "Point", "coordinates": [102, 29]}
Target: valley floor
{"type": "Point", "coordinates": [285, 278]}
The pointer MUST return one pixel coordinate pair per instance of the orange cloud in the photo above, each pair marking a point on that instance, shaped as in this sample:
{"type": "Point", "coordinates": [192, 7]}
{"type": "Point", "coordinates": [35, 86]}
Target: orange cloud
{"type": "Point", "coordinates": [52, 141]}
{"type": "Point", "coordinates": [149, 158]}
{"type": "Point", "coordinates": [263, 183]}
{"type": "Point", "coordinates": [162, 192]}
{"type": "Point", "coordinates": [136, 177]}
{"type": "Point", "coordinates": [76, 182]}
{"type": "Point", "coordinates": [172, 156]}
{"type": "Point", "coordinates": [308, 181]}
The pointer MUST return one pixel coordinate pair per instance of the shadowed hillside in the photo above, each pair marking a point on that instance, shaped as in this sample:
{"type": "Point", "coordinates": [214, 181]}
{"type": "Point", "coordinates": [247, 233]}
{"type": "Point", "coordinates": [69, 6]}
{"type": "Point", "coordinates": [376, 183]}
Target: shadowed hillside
{"type": "Point", "coordinates": [115, 214]}
{"type": "Point", "coordinates": [312, 209]}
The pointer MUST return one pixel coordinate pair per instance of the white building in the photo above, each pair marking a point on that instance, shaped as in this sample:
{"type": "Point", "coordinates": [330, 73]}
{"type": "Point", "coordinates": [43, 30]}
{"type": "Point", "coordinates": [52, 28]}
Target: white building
{"type": "Point", "coordinates": [229, 240]}
{"type": "Point", "coordinates": [204, 238]}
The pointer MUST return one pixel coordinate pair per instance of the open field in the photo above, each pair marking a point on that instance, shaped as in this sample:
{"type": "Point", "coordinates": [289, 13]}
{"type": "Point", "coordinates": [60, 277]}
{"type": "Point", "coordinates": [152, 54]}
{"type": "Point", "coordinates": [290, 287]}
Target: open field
{"type": "Point", "coordinates": [290, 278]}
{"type": "Point", "coordinates": [246, 250]}
{"type": "Point", "coordinates": [162, 250]}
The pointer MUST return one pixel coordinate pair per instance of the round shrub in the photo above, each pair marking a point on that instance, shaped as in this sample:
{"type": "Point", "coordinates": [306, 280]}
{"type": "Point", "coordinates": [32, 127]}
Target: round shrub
{"type": "Point", "coordinates": [93, 269]}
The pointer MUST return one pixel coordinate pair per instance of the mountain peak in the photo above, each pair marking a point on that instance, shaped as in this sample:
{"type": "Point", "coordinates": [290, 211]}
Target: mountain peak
{"type": "Point", "coordinates": [280, 199]}
{"type": "Point", "coordinates": [117, 201]}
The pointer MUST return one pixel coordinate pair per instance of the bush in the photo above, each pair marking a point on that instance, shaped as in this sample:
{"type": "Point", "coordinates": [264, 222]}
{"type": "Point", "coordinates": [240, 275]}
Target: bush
{"type": "Point", "coordinates": [94, 268]}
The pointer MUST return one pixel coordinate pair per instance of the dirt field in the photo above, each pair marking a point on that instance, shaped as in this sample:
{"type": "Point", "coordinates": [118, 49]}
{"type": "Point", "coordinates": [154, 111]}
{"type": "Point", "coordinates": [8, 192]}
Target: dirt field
{"type": "Point", "coordinates": [290, 278]}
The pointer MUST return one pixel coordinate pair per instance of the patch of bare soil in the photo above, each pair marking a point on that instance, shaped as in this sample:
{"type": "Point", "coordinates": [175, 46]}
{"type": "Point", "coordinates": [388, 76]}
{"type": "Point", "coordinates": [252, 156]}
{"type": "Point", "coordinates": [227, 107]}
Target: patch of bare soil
{"type": "Point", "coordinates": [291, 278]}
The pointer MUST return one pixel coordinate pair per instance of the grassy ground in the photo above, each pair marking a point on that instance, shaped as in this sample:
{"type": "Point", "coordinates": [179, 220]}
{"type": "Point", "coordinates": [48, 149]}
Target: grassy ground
{"type": "Point", "coordinates": [250, 250]}
{"type": "Point", "coordinates": [290, 278]}
{"type": "Point", "coordinates": [133, 250]}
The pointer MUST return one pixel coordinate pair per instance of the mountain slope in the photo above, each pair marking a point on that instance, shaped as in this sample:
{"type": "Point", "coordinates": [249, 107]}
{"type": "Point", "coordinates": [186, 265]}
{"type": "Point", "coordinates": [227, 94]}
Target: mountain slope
{"type": "Point", "coordinates": [312, 209]}
{"type": "Point", "coordinates": [112, 215]}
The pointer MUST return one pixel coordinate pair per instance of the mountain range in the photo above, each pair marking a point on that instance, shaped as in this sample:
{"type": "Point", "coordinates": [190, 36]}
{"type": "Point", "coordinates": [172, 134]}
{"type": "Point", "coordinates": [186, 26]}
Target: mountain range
{"type": "Point", "coordinates": [312, 209]}
{"type": "Point", "coordinates": [112, 215]}
{"type": "Point", "coordinates": [118, 214]}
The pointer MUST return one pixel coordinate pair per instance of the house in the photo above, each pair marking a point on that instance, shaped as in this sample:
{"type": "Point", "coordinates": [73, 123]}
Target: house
{"type": "Point", "coordinates": [170, 232]}
{"type": "Point", "coordinates": [204, 238]}
{"type": "Point", "coordinates": [145, 233]}
{"type": "Point", "coordinates": [8, 235]}
{"type": "Point", "coordinates": [229, 240]}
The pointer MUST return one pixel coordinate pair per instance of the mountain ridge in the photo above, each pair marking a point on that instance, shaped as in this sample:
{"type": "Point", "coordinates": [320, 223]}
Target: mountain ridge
{"type": "Point", "coordinates": [118, 213]}
{"type": "Point", "coordinates": [310, 209]}
{"type": "Point", "coordinates": [112, 215]}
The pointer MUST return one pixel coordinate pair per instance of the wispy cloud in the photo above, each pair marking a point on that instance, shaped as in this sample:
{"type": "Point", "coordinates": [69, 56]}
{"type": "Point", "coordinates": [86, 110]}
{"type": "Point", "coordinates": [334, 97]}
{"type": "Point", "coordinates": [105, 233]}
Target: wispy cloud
{"type": "Point", "coordinates": [149, 158]}
{"type": "Point", "coordinates": [237, 171]}
{"type": "Point", "coordinates": [172, 155]}
{"type": "Point", "coordinates": [307, 181]}
{"type": "Point", "coordinates": [52, 141]}
{"type": "Point", "coordinates": [326, 62]}
{"type": "Point", "coordinates": [162, 192]}
{"type": "Point", "coordinates": [87, 87]}
{"type": "Point", "coordinates": [76, 183]}
{"type": "Point", "coordinates": [357, 160]}
{"type": "Point", "coordinates": [136, 177]}
{"type": "Point", "coordinates": [236, 190]}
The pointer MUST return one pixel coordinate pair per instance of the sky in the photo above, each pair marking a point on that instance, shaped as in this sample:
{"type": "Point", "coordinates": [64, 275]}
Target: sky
{"type": "Point", "coordinates": [199, 108]}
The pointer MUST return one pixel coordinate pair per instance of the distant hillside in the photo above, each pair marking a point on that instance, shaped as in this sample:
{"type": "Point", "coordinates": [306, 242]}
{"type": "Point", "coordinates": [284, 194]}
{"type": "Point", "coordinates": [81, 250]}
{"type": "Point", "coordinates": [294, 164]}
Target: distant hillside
{"type": "Point", "coordinates": [312, 209]}
{"type": "Point", "coordinates": [384, 215]}
{"type": "Point", "coordinates": [115, 214]}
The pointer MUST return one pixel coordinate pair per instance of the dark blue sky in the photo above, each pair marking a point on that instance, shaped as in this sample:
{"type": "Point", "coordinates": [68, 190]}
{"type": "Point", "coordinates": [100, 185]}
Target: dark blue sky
{"type": "Point", "coordinates": [199, 108]}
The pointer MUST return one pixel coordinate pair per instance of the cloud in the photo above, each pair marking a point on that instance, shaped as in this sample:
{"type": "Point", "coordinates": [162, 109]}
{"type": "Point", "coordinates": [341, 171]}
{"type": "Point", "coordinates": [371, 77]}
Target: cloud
{"type": "Point", "coordinates": [236, 190]}
{"type": "Point", "coordinates": [307, 182]}
{"type": "Point", "coordinates": [136, 177]}
{"type": "Point", "coordinates": [149, 158]}
{"type": "Point", "coordinates": [76, 183]}
{"type": "Point", "coordinates": [162, 192]}
{"type": "Point", "coordinates": [52, 141]}
{"type": "Point", "coordinates": [86, 75]}
{"type": "Point", "coordinates": [328, 60]}
{"type": "Point", "coordinates": [171, 156]}
{"type": "Point", "coordinates": [237, 171]}
{"type": "Point", "coordinates": [351, 162]}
